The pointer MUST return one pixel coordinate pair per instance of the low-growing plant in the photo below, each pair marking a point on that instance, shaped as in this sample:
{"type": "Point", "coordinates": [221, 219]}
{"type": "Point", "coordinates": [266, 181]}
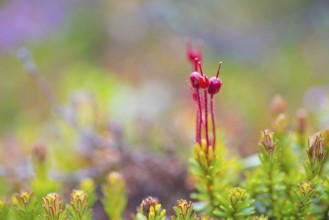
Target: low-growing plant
{"type": "Point", "coordinates": [150, 209]}
{"type": "Point", "coordinates": [52, 207]}
{"type": "Point", "coordinates": [184, 211]}
{"type": "Point", "coordinates": [78, 207]}
{"type": "Point", "coordinates": [115, 198]}
{"type": "Point", "coordinates": [288, 180]}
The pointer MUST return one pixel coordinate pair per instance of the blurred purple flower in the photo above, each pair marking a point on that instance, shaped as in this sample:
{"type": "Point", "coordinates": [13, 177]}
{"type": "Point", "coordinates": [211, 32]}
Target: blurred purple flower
{"type": "Point", "coordinates": [28, 20]}
{"type": "Point", "coordinates": [315, 99]}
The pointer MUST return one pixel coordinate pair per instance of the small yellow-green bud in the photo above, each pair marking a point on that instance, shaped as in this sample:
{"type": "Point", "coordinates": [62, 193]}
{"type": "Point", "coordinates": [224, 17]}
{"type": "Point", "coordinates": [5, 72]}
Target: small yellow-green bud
{"type": "Point", "coordinates": [39, 152]}
{"type": "Point", "coordinates": [87, 185]}
{"type": "Point", "coordinates": [148, 205]}
{"type": "Point", "coordinates": [278, 105]}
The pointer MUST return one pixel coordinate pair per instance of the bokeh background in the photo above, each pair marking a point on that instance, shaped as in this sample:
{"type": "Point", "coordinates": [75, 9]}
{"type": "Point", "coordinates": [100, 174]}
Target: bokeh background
{"type": "Point", "coordinates": [122, 65]}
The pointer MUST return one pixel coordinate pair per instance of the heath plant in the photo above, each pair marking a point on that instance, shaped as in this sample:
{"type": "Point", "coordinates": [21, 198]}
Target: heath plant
{"type": "Point", "coordinates": [288, 179]}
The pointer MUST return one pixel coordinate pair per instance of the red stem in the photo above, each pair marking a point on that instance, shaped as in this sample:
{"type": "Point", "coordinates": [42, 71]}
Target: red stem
{"type": "Point", "coordinates": [199, 118]}
{"type": "Point", "coordinates": [200, 67]}
{"type": "Point", "coordinates": [199, 110]}
{"type": "Point", "coordinates": [196, 62]}
{"type": "Point", "coordinates": [197, 126]}
{"type": "Point", "coordinates": [188, 44]}
{"type": "Point", "coordinates": [218, 71]}
{"type": "Point", "coordinates": [213, 121]}
{"type": "Point", "coordinates": [206, 116]}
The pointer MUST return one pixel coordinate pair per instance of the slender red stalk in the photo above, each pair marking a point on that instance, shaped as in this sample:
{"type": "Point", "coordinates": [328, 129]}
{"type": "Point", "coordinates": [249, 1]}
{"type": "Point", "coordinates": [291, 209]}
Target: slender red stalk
{"type": "Point", "coordinates": [212, 111]}
{"type": "Point", "coordinates": [199, 110]}
{"type": "Point", "coordinates": [213, 121]}
{"type": "Point", "coordinates": [205, 108]}
{"type": "Point", "coordinates": [200, 117]}
{"type": "Point", "coordinates": [200, 67]}
{"type": "Point", "coordinates": [206, 116]}
{"type": "Point", "coordinates": [218, 71]}
{"type": "Point", "coordinates": [196, 61]}
{"type": "Point", "coordinates": [197, 126]}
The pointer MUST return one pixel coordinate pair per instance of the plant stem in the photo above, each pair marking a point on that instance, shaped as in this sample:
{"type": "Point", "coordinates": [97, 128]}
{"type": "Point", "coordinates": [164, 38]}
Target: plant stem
{"type": "Point", "coordinates": [213, 121]}
{"type": "Point", "coordinates": [206, 117]}
{"type": "Point", "coordinates": [196, 62]}
{"type": "Point", "coordinates": [199, 117]}
{"type": "Point", "coordinates": [197, 126]}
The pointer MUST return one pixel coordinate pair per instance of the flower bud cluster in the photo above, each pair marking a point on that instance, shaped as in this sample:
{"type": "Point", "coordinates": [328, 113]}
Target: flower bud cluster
{"type": "Point", "coordinates": [147, 204]}
{"type": "Point", "coordinates": [151, 209]}
{"type": "Point", "coordinates": [267, 142]}
{"type": "Point", "coordinates": [52, 205]}
{"type": "Point", "coordinates": [303, 196]}
{"type": "Point", "coordinates": [199, 80]}
{"type": "Point", "coordinates": [209, 87]}
{"type": "Point", "coordinates": [316, 152]}
{"type": "Point", "coordinates": [184, 211]}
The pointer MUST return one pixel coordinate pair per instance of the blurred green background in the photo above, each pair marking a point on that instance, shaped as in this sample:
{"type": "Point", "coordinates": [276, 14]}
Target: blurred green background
{"type": "Point", "coordinates": [130, 55]}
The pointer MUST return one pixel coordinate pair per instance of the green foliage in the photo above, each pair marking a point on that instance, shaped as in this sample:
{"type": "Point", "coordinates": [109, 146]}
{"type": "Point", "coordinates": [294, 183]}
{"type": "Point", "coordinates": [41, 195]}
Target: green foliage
{"type": "Point", "coordinates": [267, 184]}
{"type": "Point", "coordinates": [287, 159]}
{"type": "Point", "coordinates": [4, 209]}
{"type": "Point", "coordinates": [324, 195]}
{"type": "Point", "coordinates": [303, 196]}
{"type": "Point", "coordinates": [115, 198]}
{"type": "Point", "coordinates": [78, 207]}
{"type": "Point", "coordinates": [184, 211]}
{"type": "Point", "coordinates": [271, 184]}
{"type": "Point", "coordinates": [270, 188]}
{"type": "Point", "coordinates": [41, 184]}
{"type": "Point", "coordinates": [150, 209]}
{"type": "Point", "coordinates": [323, 202]}
{"type": "Point", "coordinates": [52, 208]}
{"type": "Point", "coordinates": [25, 206]}
{"type": "Point", "coordinates": [316, 154]}
{"type": "Point", "coordinates": [88, 186]}
{"type": "Point", "coordinates": [236, 204]}
{"type": "Point", "coordinates": [262, 217]}
{"type": "Point", "coordinates": [319, 207]}
{"type": "Point", "coordinates": [207, 167]}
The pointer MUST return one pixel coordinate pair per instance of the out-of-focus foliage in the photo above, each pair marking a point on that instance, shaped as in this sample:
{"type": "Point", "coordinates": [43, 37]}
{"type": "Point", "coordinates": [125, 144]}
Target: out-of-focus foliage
{"type": "Point", "coordinates": [150, 209]}
{"type": "Point", "coordinates": [4, 209]}
{"type": "Point", "coordinates": [269, 179]}
{"type": "Point", "coordinates": [270, 187]}
{"type": "Point", "coordinates": [25, 205]}
{"type": "Point", "coordinates": [236, 205]}
{"type": "Point", "coordinates": [52, 207]}
{"type": "Point", "coordinates": [78, 207]}
{"type": "Point", "coordinates": [42, 184]}
{"type": "Point", "coordinates": [184, 211]}
{"type": "Point", "coordinates": [115, 198]}
{"type": "Point", "coordinates": [267, 48]}
{"type": "Point", "coordinates": [88, 186]}
{"type": "Point", "coordinates": [105, 93]}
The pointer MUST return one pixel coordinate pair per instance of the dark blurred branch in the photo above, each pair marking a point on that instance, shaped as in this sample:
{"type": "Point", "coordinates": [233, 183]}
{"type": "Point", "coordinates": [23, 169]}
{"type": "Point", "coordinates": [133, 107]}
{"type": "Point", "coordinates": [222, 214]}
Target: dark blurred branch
{"type": "Point", "coordinates": [32, 71]}
{"type": "Point", "coordinates": [88, 135]}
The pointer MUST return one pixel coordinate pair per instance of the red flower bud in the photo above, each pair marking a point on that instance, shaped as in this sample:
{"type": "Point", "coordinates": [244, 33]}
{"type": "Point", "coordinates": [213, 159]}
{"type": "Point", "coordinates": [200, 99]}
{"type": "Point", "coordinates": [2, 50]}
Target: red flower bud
{"type": "Point", "coordinates": [192, 54]}
{"type": "Point", "coordinates": [195, 95]}
{"type": "Point", "coordinates": [195, 79]}
{"type": "Point", "coordinates": [204, 82]}
{"type": "Point", "coordinates": [214, 85]}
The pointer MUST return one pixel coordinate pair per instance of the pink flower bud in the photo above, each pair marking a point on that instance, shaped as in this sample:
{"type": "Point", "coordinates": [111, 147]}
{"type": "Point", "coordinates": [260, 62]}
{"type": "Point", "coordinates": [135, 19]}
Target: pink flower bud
{"type": "Point", "coordinates": [214, 85]}
{"type": "Point", "coordinates": [204, 82]}
{"type": "Point", "coordinates": [193, 54]}
{"type": "Point", "coordinates": [195, 79]}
